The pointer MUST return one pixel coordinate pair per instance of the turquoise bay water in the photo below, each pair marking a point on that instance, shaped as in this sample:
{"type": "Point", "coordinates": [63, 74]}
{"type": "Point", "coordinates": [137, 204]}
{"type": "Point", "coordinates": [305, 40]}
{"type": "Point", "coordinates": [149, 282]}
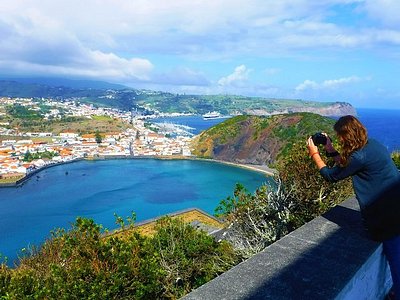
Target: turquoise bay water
{"type": "Point", "coordinates": [98, 189]}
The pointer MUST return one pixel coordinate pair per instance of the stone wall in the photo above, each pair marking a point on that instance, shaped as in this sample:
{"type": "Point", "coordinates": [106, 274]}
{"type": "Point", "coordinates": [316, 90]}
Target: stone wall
{"type": "Point", "coordinates": [327, 258]}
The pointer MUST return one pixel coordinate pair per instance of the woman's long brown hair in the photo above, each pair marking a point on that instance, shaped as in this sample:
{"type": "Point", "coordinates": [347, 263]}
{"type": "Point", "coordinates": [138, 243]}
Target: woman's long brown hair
{"type": "Point", "coordinates": [352, 134]}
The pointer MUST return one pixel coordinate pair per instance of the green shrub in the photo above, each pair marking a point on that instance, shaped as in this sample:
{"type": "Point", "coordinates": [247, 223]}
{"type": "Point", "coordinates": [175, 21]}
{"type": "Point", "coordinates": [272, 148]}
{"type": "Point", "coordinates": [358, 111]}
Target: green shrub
{"type": "Point", "coordinates": [256, 221]}
{"type": "Point", "coordinates": [189, 258]}
{"type": "Point", "coordinates": [312, 193]}
{"type": "Point", "coordinates": [83, 264]}
{"type": "Point", "coordinates": [5, 278]}
{"type": "Point", "coordinates": [396, 158]}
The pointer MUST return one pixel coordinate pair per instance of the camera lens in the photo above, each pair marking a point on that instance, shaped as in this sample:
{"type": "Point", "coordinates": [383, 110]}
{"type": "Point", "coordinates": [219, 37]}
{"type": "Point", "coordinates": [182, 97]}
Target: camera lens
{"type": "Point", "coordinates": [319, 139]}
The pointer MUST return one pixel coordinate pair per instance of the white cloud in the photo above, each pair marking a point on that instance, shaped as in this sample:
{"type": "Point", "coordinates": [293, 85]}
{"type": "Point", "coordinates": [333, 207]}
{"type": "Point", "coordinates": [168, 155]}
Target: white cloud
{"type": "Point", "coordinates": [196, 28]}
{"type": "Point", "coordinates": [327, 84]}
{"type": "Point", "coordinates": [239, 76]}
{"type": "Point", "coordinates": [111, 65]}
{"type": "Point", "coordinates": [94, 64]}
{"type": "Point", "coordinates": [333, 83]}
{"type": "Point", "coordinates": [307, 84]}
{"type": "Point", "coordinates": [36, 44]}
{"type": "Point", "coordinates": [384, 11]}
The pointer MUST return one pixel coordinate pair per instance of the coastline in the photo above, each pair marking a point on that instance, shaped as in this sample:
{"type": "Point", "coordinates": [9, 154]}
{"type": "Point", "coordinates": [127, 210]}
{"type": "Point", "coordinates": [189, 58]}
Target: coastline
{"type": "Point", "coordinates": [28, 176]}
{"type": "Point", "coordinates": [257, 168]}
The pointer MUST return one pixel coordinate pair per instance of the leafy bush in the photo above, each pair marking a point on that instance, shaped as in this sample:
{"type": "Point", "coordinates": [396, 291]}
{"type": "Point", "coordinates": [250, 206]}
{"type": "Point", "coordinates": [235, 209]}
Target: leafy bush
{"type": "Point", "coordinates": [396, 158]}
{"type": "Point", "coordinates": [188, 258]}
{"type": "Point", "coordinates": [312, 193]}
{"type": "Point", "coordinates": [83, 264]}
{"type": "Point", "coordinates": [28, 156]}
{"type": "Point", "coordinates": [256, 221]}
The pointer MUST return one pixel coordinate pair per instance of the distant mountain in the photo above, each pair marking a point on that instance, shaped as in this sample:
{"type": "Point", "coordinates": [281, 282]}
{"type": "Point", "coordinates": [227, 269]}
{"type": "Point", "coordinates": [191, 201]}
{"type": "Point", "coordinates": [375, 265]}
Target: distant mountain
{"type": "Point", "coordinates": [238, 105]}
{"type": "Point", "coordinates": [102, 96]}
{"type": "Point", "coordinates": [63, 82]}
{"type": "Point", "coordinates": [256, 139]}
{"type": "Point", "coordinates": [118, 96]}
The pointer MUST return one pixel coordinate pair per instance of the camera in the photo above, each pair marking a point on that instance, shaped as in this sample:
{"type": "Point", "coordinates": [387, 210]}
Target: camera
{"type": "Point", "coordinates": [319, 139]}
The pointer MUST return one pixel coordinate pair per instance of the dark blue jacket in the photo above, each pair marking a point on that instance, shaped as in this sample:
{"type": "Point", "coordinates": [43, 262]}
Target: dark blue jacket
{"type": "Point", "coordinates": [376, 183]}
{"type": "Point", "coordinates": [372, 170]}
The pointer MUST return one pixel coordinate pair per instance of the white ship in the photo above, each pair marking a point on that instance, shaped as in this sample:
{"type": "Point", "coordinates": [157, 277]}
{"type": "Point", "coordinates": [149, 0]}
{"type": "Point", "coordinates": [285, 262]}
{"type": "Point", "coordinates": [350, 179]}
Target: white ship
{"type": "Point", "coordinates": [213, 115]}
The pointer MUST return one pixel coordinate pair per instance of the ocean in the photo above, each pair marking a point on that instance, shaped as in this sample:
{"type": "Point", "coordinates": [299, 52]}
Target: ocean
{"type": "Point", "coordinates": [382, 125]}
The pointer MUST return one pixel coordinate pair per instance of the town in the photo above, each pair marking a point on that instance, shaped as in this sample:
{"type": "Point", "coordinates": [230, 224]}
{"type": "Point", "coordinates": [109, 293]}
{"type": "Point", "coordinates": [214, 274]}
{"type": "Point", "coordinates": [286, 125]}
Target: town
{"type": "Point", "coordinates": [32, 151]}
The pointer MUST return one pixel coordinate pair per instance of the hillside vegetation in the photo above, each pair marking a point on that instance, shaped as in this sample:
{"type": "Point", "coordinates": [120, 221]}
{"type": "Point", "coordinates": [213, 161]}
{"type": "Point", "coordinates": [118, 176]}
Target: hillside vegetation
{"type": "Point", "coordinates": [396, 158]}
{"type": "Point", "coordinates": [235, 105]}
{"type": "Point", "coordinates": [33, 121]}
{"type": "Point", "coordinates": [257, 139]}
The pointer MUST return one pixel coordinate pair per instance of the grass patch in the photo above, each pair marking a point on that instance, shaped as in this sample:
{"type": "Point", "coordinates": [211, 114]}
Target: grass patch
{"type": "Point", "coordinates": [10, 180]}
{"type": "Point", "coordinates": [101, 118]}
{"type": "Point", "coordinates": [78, 125]}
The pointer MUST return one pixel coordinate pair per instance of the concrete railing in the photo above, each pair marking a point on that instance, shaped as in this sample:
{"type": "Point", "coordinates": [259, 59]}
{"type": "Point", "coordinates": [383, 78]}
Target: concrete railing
{"type": "Point", "coordinates": [327, 258]}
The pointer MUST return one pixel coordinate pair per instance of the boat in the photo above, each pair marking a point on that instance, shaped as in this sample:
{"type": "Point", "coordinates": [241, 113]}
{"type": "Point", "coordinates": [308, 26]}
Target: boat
{"type": "Point", "coordinates": [213, 115]}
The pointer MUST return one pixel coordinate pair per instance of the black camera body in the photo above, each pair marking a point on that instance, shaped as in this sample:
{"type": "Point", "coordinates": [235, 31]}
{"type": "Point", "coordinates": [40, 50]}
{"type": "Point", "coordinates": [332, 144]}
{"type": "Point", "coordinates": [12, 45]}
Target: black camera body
{"type": "Point", "coordinates": [319, 139]}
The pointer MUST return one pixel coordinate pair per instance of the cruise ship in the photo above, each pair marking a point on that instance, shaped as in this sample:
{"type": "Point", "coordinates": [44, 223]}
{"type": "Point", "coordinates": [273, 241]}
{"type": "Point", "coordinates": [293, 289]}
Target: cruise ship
{"type": "Point", "coordinates": [213, 115]}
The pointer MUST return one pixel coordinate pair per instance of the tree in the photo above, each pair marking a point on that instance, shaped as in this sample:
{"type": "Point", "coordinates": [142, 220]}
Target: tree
{"type": "Point", "coordinates": [28, 156]}
{"type": "Point", "coordinates": [98, 137]}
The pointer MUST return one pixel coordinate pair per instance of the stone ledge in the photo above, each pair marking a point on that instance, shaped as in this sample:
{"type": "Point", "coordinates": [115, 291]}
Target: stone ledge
{"type": "Point", "coordinates": [327, 258]}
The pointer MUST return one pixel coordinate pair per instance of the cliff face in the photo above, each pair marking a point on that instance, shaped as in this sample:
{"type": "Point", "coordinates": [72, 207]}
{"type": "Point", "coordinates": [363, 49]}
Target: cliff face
{"type": "Point", "coordinates": [256, 139]}
{"type": "Point", "coordinates": [335, 109]}
{"type": "Point", "coordinates": [331, 109]}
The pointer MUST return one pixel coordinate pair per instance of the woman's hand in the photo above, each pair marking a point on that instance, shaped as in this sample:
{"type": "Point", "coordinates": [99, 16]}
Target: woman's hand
{"type": "Point", "coordinates": [328, 146]}
{"type": "Point", "coordinates": [314, 153]}
{"type": "Point", "coordinates": [311, 147]}
{"type": "Point", "coordinates": [331, 151]}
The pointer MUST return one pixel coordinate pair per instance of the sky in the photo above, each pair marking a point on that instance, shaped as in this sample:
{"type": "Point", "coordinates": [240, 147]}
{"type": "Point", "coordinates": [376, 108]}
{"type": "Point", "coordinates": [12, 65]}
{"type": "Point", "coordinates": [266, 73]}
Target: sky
{"type": "Point", "coordinates": [321, 50]}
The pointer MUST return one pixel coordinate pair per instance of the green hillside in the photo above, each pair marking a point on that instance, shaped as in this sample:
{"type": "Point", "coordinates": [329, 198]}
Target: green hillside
{"type": "Point", "coordinates": [28, 120]}
{"type": "Point", "coordinates": [103, 94]}
{"type": "Point", "coordinates": [259, 140]}
{"type": "Point", "coordinates": [235, 105]}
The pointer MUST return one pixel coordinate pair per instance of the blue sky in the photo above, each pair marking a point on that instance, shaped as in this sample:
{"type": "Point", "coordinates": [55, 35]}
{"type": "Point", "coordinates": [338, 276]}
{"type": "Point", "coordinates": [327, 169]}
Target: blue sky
{"type": "Point", "coordinates": [325, 50]}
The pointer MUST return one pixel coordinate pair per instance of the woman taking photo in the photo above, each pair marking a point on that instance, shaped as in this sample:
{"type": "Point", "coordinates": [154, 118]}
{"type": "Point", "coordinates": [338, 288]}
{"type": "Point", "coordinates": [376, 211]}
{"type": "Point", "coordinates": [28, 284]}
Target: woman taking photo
{"type": "Point", "coordinates": [376, 183]}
